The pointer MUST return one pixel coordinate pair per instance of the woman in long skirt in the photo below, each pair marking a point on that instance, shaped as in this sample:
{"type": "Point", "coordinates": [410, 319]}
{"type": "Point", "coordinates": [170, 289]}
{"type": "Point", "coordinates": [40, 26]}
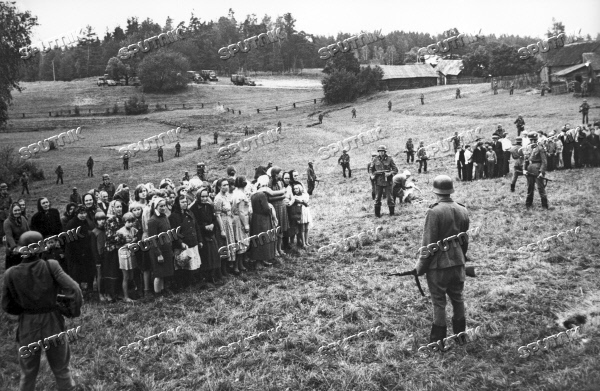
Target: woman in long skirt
{"type": "Point", "coordinates": [182, 217]}
{"type": "Point", "coordinates": [279, 204]}
{"type": "Point", "coordinates": [263, 217]}
{"type": "Point", "coordinates": [240, 208]}
{"type": "Point", "coordinates": [78, 253]}
{"type": "Point", "coordinates": [161, 256]}
{"type": "Point", "coordinates": [111, 272]}
{"type": "Point", "coordinates": [225, 218]}
{"type": "Point", "coordinates": [204, 212]}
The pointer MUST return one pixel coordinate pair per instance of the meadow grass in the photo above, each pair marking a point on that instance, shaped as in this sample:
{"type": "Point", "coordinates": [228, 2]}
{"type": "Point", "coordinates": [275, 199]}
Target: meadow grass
{"type": "Point", "coordinates": [321, 300]}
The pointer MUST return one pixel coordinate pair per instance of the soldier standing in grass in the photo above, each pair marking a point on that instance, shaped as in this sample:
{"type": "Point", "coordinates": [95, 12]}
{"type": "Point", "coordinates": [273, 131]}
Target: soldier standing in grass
{"type": "Point", "coordinates": [279, 124]}
{"type": "Point", "coordinates": [321, 118]}
{"type": "Point", "coordinates": [90, 166]}
{"type": "Point", "coordinates": [344, 161]}
{"type": "Point", "coordinates": [520, 122]}
{"type": "Point", "coordinates": [458, 94]}
{"type": "Point", "coordinates": [160, 154]}
{"type": "Point", "coordinates": [442, 260]}
{"type": "Point", "coordinates": [536, 170]}
{"type": "Point", "coordinates": [583, 109]}
{"type": "Point", "coordinates": [512, 87]}
{"type": "Point", "coordinates": [495, 87]}
{"type": "Point", "coordinates": [384, 169]}
{"type": "Point", "coordinates": [199, 142]}
{"type": "Point", "coordinates": [422, 157]}
{"type": "Point", "coordinates": [246, 130]}
{"type": "Point", "coordinates": [126, 161]}
{"type": "Point", "coordinates": [517, 154]}
{"type": "Point", "coordinates": [353, 112]}
{"type": "Point", "coordinates": [25, 183]}
{"type": "Point", "coordinates": [216, 136]}
{"type": "Point", "coordinates": [410, 151]}
{"type": "Point", "coordinates": [390, 105]}
{"type": "Point", "coordinates": [371, 176]}
{"type": "Point", "coordinates": [201, 171]}
{"type": "Point", "coordinates": [177, 149]}
{"type": "Point", "coordinates": [422, 99]}
{"type": "Point", "coordinates": [59, 174]}
{"type": "Point", "coordinates": [312, 178]}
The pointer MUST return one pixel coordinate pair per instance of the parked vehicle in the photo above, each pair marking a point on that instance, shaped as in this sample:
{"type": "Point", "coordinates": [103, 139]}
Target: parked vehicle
{"type": "Point", "coordinates": [111, 83]}
{"type": "Point", "coordinates": [102, 80]}
{"type": "Point", "coordinates": [193, 76]}
{"type": "Point", "coordinates": [209, 75]}
{"type": "Point", "coordinates": [134, 81]}
{"type": "Point", "coordinates": [241, 80]}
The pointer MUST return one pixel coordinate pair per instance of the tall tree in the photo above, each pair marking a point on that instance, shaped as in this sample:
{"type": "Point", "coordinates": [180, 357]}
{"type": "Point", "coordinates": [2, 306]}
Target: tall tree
{"type": "Point", "coordinates": [556, 28]}
{"type": "Point", "coordinates": [164, 71]}
{"type": "Point", "coordinates": [15, 33]}
{"type": "Point", "coordinates": [132, 26]}
{"type": "Point", "coordinates": [168, 25]}
{"type": "Point", "coordinates": [119, 34]}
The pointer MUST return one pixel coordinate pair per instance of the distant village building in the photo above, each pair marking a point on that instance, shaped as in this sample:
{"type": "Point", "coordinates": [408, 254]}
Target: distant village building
{"type": "Point", "coordinates": [573, 63]}
{"type": "Point", "coordinates": [448, 71]}
{"type": "Point", "coordinates": [401, 77]}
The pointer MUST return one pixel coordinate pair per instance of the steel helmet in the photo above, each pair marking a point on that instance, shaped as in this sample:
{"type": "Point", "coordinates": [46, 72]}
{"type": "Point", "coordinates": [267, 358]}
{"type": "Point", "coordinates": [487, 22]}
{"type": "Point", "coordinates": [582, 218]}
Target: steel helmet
{"type": "Point", "coordinates": [382, 148]}
{"type": "Point", "coordinates": [442, 184]}
{"type": "Point", "coordinates": [345, 150]}
{"type": "Point", "coordinates": [30, 237]}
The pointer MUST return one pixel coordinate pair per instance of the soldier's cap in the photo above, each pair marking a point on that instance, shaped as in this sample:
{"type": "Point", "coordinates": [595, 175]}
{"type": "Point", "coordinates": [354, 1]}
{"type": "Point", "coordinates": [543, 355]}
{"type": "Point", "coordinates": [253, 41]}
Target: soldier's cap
{"type": "Point", "coordinates": [500, 126]}
{"type": "Point", "coordinates": [382, 148]}
{"type": "Point", "coordinates": [344, 150]}
{"type": "Point", "coordinates": [533, 135]}
{"type": "Point", "coordinates": [105, 176]}
{"type": "Point", "coordinates": [74, 188]}
{"type": "Point", "coordinates": [185, 172]}
{"type": "Point", "coordinates": [495, 136]}
{"type": "Point", "coordinates": [310, 162]}
{"type": "Point", "coordinates": [585, 100]}
{"type": "Point", "coordinates": [442, 184]}
{"type": "Point", "coordinates": [3, 186]}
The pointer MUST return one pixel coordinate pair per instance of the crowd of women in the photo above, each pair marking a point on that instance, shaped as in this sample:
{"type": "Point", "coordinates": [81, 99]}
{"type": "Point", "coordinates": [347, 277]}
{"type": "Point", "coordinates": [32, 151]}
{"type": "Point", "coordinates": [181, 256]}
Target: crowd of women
{"type": "Point", "coordinates": [209, 216]}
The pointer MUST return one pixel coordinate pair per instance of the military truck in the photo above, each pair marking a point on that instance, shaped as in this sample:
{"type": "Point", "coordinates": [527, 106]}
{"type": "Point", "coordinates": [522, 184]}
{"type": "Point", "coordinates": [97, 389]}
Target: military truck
{"type": "Point", "coordinates": [209, 75]}
{"type": "Point", "coordinates": [194, 76]}
{"type": "Point", "coordinates": [241, 80]}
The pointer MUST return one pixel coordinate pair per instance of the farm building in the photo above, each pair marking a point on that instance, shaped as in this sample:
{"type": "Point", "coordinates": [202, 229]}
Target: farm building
{"type": "Point", "coordinates": [448, 71]}
{"type": "Point", "coordinates": [565, 58]}
{"type": "Point", "coordinates": [401, 77]}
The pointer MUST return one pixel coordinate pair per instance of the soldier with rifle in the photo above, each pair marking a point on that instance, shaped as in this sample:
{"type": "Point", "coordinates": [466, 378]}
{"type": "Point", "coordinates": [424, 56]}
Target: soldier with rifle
{"type": "Point", "coordinates": [384, 169]}
{"type": "Point", "coordinates": [344, 161]}
{"type": "Point", "coordinates": [410, 151]}
{"type": "Point", "coordinates": [517, 154]}
{"type": "Point", "coordinates": [371, 176]}
{"type": "Point", "coordinates": [535, 167]}
{"type": "Point", "coordinates": [201, 171]}
{"type": "Point", "coordinates": [442, 260]}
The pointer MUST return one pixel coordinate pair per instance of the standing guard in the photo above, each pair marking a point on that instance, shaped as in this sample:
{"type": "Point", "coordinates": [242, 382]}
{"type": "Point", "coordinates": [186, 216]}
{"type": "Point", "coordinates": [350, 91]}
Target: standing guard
{"type": "Point", "coordinates": [199, 142]}
{"type": "Point", "coordinates": [458, 94]}
{"type": "Point", "coordinates": [520, 122]}
{"type": "Point", "coordinates": [177, 149]}
{"type": "Point", "coordinates": [160, 154]}
{"type": "Point", "coordinates": [353, 112]}
{"type": "Point", "coordinates": [216, 136]}
{"type": "Point", "coordinates": [410, 151]}
{"type": "Point", "coordinates": [536, 170]}
{"type": "Point", "coordinates": [384, 169]}
{"type": "Point", "coordinates": [422, 157]}
{"type": "Point", "coordinates": [344, 161]}
{"type": "Point", "coordinates": [371, 176]}
{"type": "Point", "coordinates": [90, 166]}
{"type": "Point", "coordinates": [517, 154]}
{"type": "Point", "coordinates": [201, 171]}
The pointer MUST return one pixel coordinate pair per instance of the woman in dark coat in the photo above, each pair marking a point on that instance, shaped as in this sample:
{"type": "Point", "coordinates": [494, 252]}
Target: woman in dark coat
{"type": "Point", "coordinates": [182, 217]}
{"type": "Point", "coordinates": [78, 254]}
{"type": "Point", "coordinates": [47, 220]}
{"type": "Point", "coordinates": [204, 213]}
{"type": "Point", "coordinates": [280, 204]}
{"type": "Point", "coordinates": [262, 221]}
{"type": "Point", "coordinates": [14, 227]}
{"type": "Point", "coordinates": [161, 256]}
{"type": "Point", "coordinates": [91, 207]}
{"type": "Point", "coordinates": [111, 272]}
{"type": "Point", "coordinates": [68, 215]}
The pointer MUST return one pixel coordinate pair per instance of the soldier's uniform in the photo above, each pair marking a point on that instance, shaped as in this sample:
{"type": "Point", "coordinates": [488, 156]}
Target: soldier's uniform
{"type": "Point", "coordinates": [371, 176]}
{"type": "Point", "coordinates": [495, 88]}
{"type": "Point", "coordinates": [126, 161]}
{"type": "Point", "coordinates": [200, 142]}
{"type": "Point", "coordinates": [320, 118]}
{"type": "Point", "coordinates": [59, 175]}
{"type": "Point", "coordinates": [90, 166]}
{"type": "Point", "coordinates": [422, 99]}
{"type": "Point", "coordinates": [422, 157]}
{"type": "Point", "coordinates": [216, 136]}
{"type": "Point", "coordinates": [344, 161]}
{"type": "Point", "coordinates": [177, 149]}
{"type": "Point", "coordinates": [201, 171]}
{"type": "Point", "coordinates": [353, 113]}
{"type": "Point", "coordinates": [390, 105]}
{"type": "Point", "coordinates": [383, 182]}
{"type": "Point", "coordinates": [551, 154]}
{"type": "Point", "coordinates": [108, 187]}
{"type": "Point", "coordinates": [160, 154]}
{"type": "Point", "coordinates": [458, 93]}
{"type": "Point", "coordinates": [311, 178]}
{"type": "Point", "coordinates": [520, 122]}
{"type": "Point", "coordinates": [445, 266]}
{"type": "Point", "coordinates": [410, 151]}
{"type": "Point", "coordinates": [512, 87]}
{"type": "Point", "coordinates": [583, 109]}
{"type": "Point", "coordinates": [517, 154]}
{"type": "Point", "coordinates": [536, 164]}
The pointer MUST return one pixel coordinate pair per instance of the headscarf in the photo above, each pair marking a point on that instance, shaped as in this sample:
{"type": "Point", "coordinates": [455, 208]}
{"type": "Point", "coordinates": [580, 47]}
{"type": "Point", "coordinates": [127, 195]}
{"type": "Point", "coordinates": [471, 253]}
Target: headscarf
{"type": "Point", "coordinates": [39, 204]}
{"type": "Point", "coordinates": [262, 181]}
{"type": "Point", "coordinates": [69, 205]}
{"type": "Point", "coordinates": [153, 206]}
{"type": "Point", "coordinates": [15, 220]}
{"type": "Point", "coordinates": [111, 208]}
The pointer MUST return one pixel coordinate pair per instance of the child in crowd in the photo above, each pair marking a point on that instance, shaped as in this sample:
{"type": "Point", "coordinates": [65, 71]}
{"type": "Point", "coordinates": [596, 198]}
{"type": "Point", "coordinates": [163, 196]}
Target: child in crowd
{"type": "Point", "coordinates": [300, 214]}
{"type": "Point", "coordinates": [126, 234]}
{"type": "Point", "coordinates": [490, 156]}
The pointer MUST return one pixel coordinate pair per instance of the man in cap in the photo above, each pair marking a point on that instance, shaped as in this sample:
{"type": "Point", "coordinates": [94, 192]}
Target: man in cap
{"type": "Point", "coordinates": [39, 317]}
{"type": "Point", "coordinates": [384, 169]}
{"type": "Point", "coordinates": [90, 166]}
{"type": "Point", "coordinates": [5, 203]}
{"type": "Point", "coordinates": [231, 172]}
{"type": "Point", "coordinates": [75, 197]}
{"type": "Point", "coordinates": [410, 151]}
{"type": "Point", "coordinates": [107, 186]}
{"type": "Point", "coordinates": [371, 176]}
{"type": "Point", "coordinates": [517, 154]}
{"type": "Point", "coordinates": [520, 122]}
{"type": "Point", "coordinates": [312, 178]}
{"type": "Point", "coordinates": [442, 260]}
{"type": "Point", "coordinates": [456, 142]}
{"type": "Point", "coordinates": [536, 170]}
{"type": "Point", "coordinates": [201, 171]}
{"type": "Point", "coordinates": [344, 161]}
{"type": "Point", "coordinates": [583, 109]}
{"type": "Point", "coordinates": [422, 157]}
{"type": "Point", "coordinates": [498, 150]}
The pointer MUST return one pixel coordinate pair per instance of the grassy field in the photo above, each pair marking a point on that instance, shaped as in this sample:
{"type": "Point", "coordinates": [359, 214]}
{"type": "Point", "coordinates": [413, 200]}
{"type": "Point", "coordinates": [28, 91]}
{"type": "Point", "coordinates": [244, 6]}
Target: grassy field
{"type": "Point", "coordinates": [321, 300]}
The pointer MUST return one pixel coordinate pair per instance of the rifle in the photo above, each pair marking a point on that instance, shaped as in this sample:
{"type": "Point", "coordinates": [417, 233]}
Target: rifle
{"type": "Point", "coordinates": [412, 272]}
{"type": "Point", "coordinates": [527, 173]}
{"type": "Point", "coordinates": [382, 172]}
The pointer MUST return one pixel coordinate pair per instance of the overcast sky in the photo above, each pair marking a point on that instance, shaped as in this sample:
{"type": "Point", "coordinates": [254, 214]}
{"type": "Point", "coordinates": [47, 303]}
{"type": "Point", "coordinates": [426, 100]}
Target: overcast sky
{"type": "Point", "coordinates": [328, 17]}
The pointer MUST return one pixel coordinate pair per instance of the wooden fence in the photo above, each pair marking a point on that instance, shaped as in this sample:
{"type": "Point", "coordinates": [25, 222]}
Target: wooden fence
{"type": "Point", "coordinates": [467, 80]}
{"type": "Point", "coordinates": [521, 81]}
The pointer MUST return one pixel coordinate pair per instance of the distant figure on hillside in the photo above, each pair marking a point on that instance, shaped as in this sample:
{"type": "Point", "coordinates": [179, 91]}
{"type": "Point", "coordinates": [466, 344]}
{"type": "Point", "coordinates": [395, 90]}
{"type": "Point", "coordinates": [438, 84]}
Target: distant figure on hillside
{"type": "Point", "coordinates": [200, 142]}
{"type": "Point", "coordinates": [246, 130]}
{"type": "Point", "coordinates": [90, 166]}
{"type": "Point", "coordinates": [389, 105]}
{"type": "Point", "coordinates": [75, 197]}
{"type": "Point", "coordinates": [279, 124]}
{"type": "Point", "coordinates": [216, 136]}
{"type": "Point", "coordinates": [520, 122]}
{"type": "Point", "coordinates": [583, 109]}
{"type": "Point", "coordinates": [456, 142]}
{"type": "Point", "coordinates": [422, 157]}
{"type": "Point", "coordinates": [126, 161]}
{"type": "Point", "coordinates": [495, 87]}
{"type": "Point", "coordinates": [177, 149]}
{"type": "Point", "coordinates": [25, 183]}
{"type": "Point", "coordinates": [353, 112]}
{"type": "Point", "coordinates": [59, 174]}
{"type": "Point", "coordinates": [422, 99]}
{"type": "Point", "coordinates": [344, 161]}
{"type": "Point", "coordinates": [160, 154]}
{"type": "Point", "coordinates": [584, 88]}
{"type": "Point", "coordinates": [458, 94]}
{"type": "Point", "coordinates": [410, 151]}
{"type": "Point", "coordinates": [321, 118]}
{"type": "Point", "coordinates": [201, 171]}
{"type": "Point", "coordinates": [512, 87]}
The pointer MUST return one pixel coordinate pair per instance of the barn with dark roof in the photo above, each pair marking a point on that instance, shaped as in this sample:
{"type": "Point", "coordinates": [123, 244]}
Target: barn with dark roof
{"type": "Point", "coordinates": [448, 71]}
{"type": "Point", "coordinates": [561, 62]}
{"type": "Point", "coordinates": [401, 77]}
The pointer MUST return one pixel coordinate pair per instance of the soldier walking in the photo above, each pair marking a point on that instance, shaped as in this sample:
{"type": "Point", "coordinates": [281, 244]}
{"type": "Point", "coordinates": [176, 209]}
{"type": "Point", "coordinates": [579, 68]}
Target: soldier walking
{"type": "Point", "coordinates": [344, 161]}
{"type": "Point", "coordinates": [517, 154]}
{"type": "Point", "coordinates": [353, 112]}
{"type": "Point", "coordinates": [24, 183]}
{"type": "Point", "coordinates": [410, 151]}
{"type": "Point", "coordinates": [90, 166]}
{"type": "Point", "coordinates": [199, 142]}
{"type": "Point", "coordinates": [312, 178]}
{"type": "Point", "coordinates": [371, 176]}
{"type": "Point", "coordinates": [520, 122]}
{"type": "Point", "coordinates": [321, 118]}
{"type": "Point", "coordinates": [536, 171]}
{"type": "Point", "coordinates": [201, 171]}
{"type": "Point", "coordinates": [59, 174]}
{"type": "Point", "coordinates": [422, 157]}
{"type": "Point", "coordinates": [177, 149]}
{"type": "Point", "coordinates": [583, 109]}
{"type": "Point", "coordinates": [384, 170]}
{"type": "Point", "coordinates": [422, 99]}
{"type": "Point", "coordinates": [458, 94]}
{"type": "Point", "coordinates": [126, 161]}
{"type": "Point", "coordinates": [216, 136]}
{"type": "Point", "coordinates": [444, 263]}
{"type": "Point", "coordinates": [390, 105]}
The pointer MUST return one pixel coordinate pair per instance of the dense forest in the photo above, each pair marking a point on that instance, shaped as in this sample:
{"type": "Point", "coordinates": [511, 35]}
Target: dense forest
{"type": "Point", "coordinates": [495, 55]}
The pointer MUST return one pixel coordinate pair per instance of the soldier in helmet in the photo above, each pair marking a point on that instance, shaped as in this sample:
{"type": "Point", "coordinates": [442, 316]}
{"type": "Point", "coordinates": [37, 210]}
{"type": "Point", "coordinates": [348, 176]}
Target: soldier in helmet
{"type": "Point", "coordinates": [384, 169]}
{"type": "Point", "coordinates": [536, 170]}
{"type": "Point", "coordinates": [442, 260]}
{"type": "Point", "coordinates": [201, 171]}
{"type": "Point", "coordinates": [517, 154]}
{"type": "Point", "coordinates": [344, 161]}
{"type": "Point", "coordinates": [422, 157]}
{"type": "Point", "coordinates": [520, 122]}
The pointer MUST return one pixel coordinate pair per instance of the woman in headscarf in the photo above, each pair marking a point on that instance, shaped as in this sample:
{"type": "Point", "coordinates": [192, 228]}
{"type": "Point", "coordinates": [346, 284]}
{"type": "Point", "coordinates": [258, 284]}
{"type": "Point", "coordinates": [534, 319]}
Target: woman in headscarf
{"type": "Point", "coordinates": [280, 204]}
{"type": "Point", "coordinates": [78, 253]}
{"type": "Point", "coordinates": [204, 212]}
{"type": "Point", "coordinates": [111, 272]}
{"type": "Point", "coordinates": [47, 220]}
{"type": "Point", "coordinates": [182, 217]}
{"type": "Point", "coordinates": [161, 256]}
{"type": "Point", "coordinates": [240, 208]}
{"type": "Point", "coordinates": [98, 237]}
{"type": "Point", "coordinates": [14, 227]}
{"type": "Point", "coordinates": [68, 215]}
{"type": "Point", "coordinates": [263, 219]}
{"type": "Point", "coordinates": [225, 219]}
{"type": "Point", "coordinates": [91, 207]}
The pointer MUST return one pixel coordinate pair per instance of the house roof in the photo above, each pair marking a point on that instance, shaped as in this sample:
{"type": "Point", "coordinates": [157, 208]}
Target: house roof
{"type": "Point", "coordinates": [449, 67]}
{"type": "Point", "coordinates": [593, 59]}
{"type": "Point", "coordinates": [571, 54]}
{"type": "Point", "coordinates": [568, 70]}
{"type": "Point", "coordinates": [407, 71]}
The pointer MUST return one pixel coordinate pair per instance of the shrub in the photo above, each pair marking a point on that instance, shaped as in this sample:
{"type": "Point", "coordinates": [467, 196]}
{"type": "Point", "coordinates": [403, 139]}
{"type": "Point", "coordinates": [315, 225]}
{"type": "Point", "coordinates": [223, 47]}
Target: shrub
{"type": "Point", "coordinates": [163, 71]}
{"type": "Point", "coordinates": [159, 107]}
{"type": "Point", "coordinates": [340, 86]}
{"type": "Point", "coordinates": [133, 106]}
{"type": "Point", "coordinates": [12, 167]}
